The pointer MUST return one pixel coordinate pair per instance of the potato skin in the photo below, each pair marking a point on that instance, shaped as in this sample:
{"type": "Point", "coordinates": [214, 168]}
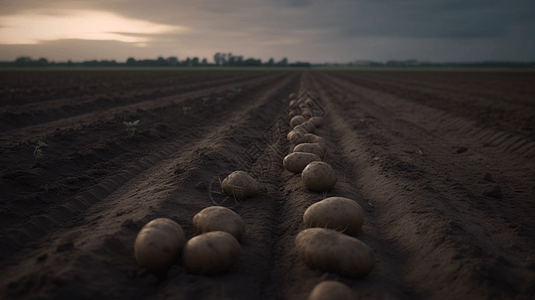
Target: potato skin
{"type": "Point", "coordinates": [318, 176]}
{"type": "Point", "coordinates": [297, 161]}
{"type": "Point", "coordinates": [337, 213]}
{"type": "Point", "coordinates": [240, 180]}
{"type": "Point", "coordinates": [317, 121]}
{"type": "Point", "coordinates": [312, 138]}
{"type": "Point", "coordinates": [219, 218]}
{"type": "Point", "coordinates": [158, 243]}
{"type": "Point", "coordinates": [309, 126]}
{"type": "Point", "coordinates": [314, 148]}
{"type": "Point", "coordinates": [331, 290]}
{"type": "Point", "coordinates": [294, 137]}
{"type": "Point", "coordinates": [211, 252]}
{"type": "Point", "coordinates": [301, 129]}
{"type": "Point", "coordinates": [331, 251]}
{"type": "Point", "coordinates": [297, 120]}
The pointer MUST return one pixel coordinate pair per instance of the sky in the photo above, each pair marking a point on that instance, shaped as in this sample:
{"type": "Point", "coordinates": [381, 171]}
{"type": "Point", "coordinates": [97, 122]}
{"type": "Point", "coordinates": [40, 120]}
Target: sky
{"type": "Point", "coordinates": [316, 31]}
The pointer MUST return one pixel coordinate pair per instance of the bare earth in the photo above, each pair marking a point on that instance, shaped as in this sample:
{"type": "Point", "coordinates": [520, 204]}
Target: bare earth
{"type": "Point", "coordinates": [442, 162]}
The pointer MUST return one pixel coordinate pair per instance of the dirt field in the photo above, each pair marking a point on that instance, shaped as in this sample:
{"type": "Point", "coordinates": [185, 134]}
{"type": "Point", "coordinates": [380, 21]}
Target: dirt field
{"type": "Point", "coordinates": [443, 164]}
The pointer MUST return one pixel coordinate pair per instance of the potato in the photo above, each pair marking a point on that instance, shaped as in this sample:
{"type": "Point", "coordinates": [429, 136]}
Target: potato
{"type": "Point", "coordinates": [301, 129]}
{"type": "Point", "coordinates": [211, 252]}
{"type": "Point", "coordinates": [337, 213]}
{"type": "Point", "coordinates": [310, 102]}
{"type": "Point", "coordinates": [331, 290]}
{"type": "Point", "coordinates": [331, 251]}
{"type": "Point", "coordinates": [309, 126]}
{"type": "Point", "coordinates": [219, 218]}
{"type": "Point", "coordinates": [297, 161]}
{"type": "Point", "coordinates": [158, 243]}
{"type": "Point", "coordinates": [296, 121]}
{"type": "Point", "coordinates": [310, 148]}
{"type": "Point", "coordinates": [294, 112]}
{"type": "Point", "coordinates": [292, 102]}
{"type": "Point", "coordinates": [306, 113]}
{"type": "Point", "coordinates": [312, 138]}
{"type": "Point", "coordinates": [292, 96]}
{"type": "Point", "coordinates": [317, 121]}
{"type": "Point", "coordinates": [318, 176]}
{"type": "Point", "coordinates": [295, 137]}
{"type": "Point", "coordinates": [240, 185]}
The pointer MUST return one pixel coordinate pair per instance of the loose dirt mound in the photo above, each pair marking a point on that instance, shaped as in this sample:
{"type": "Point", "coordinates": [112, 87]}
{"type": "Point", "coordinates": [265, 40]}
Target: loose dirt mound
{"type": "Point", "coordinates": [443, 164]}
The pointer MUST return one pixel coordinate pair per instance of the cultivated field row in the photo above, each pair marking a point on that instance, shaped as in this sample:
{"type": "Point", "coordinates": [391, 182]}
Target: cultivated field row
{"type": "Point", "coordinates": [448, 211]}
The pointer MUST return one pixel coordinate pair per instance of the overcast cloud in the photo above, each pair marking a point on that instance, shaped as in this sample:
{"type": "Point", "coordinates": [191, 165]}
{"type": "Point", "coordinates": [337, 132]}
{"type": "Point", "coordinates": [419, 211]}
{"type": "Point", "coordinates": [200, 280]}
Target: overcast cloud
{"type": "Point", "coordinates": [306, 30]}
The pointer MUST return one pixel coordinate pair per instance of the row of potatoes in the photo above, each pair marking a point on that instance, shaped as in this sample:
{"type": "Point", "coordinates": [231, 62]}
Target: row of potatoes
{"type": "Point", "coordinates": [214, 250]}
{"type": "Point", "coordinates": [327, 243]}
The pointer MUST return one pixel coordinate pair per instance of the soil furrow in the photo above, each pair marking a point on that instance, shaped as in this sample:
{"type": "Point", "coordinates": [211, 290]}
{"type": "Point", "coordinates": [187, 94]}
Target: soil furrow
{"type": "Point", "coordinates": [514, 115]}
{"type": "Point", "coordinates": [14, 117]}
{"type": "Point", "coordinates": [36, 131]}
{"type": "Point", "coordinates": [108, 222]}
{"type": "Point", "coordinates": [442, 231]}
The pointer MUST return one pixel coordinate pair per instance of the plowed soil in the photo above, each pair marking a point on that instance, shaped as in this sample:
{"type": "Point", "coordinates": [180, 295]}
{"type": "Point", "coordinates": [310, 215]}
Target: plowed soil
{"type": "Point", "coordinates": [443, 164]}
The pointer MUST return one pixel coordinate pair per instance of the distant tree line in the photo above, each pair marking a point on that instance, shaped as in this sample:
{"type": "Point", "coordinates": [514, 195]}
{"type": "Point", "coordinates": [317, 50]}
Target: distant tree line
{"type": "Point", "coordinates": [220, 59]}
{"type": "Point", "coordinates": [228, 59]}
{"type": "Point", "coordinates": [416, 63]}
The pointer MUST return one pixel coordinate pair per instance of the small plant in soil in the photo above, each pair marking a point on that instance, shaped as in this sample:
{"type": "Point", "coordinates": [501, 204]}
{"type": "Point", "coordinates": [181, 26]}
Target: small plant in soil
{"type": "Point", "coordinates": [218, 99]}
{"type": "Point", "coordinates": [236, 90]}
{"type": "Point", "coordinates": [131, 127]}
{"type": "Point", "coordinates": [185, 109]}
{"type": "Point", "coordinates": [204, 100]}
{"type": "Point", "coordinates": [38, 152]}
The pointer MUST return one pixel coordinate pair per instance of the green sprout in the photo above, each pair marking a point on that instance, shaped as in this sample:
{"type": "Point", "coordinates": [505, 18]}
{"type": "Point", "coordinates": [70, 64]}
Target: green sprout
{"type": "Point", "coordinates": [236, 90]}
{"type": "Point", "coordinates": [204, 100]}
{"type": "Point", "coordinates": [218, 99]}
{"type": "Point", "coordinates": [185, 109]}
{"type": "Point", "coordinates": [38, 152]}
{"type": "Point", "coordinates": [131, 127]}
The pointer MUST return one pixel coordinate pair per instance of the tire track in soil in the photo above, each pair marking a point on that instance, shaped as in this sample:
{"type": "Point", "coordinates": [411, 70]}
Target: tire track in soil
{"type": "Point", "coordinates": [483, 105]}
{"type": "Point", "coordinates": [37, 131]}
{"type": "Point", "coordinates": [451, 246]}
{"type": "Point", "coordinates": [62, 174]}
{"type": "Point", "coordinates": [105, 229]}
{"type": "Point", "coordinates": [16, 116]}
{"type": "Point", "coordinates": [60, 211]}
{"type": "Point", "coordinates": [499, 150]}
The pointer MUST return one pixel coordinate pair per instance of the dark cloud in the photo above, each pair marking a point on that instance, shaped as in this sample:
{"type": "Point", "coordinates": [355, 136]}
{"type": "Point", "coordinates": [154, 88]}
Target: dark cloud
{"type": "Point", "coordinates": [314, 29]}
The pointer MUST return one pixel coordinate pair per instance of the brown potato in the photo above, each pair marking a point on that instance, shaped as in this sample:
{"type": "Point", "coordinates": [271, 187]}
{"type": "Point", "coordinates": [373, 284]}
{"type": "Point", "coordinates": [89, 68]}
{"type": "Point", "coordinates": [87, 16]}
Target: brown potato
{"type": "Point", "coordinates": [301, 129]}
{"type": "Point", "coordinates": [158, 243]}
{"type": "Point", "coordinates": [306, 113]}
{"type": "Point", "coordinates": [211, 252]}
{"type": "Point", "coordinates": [292, 102]}
{"type": "Point", "coordinates": [318, 176]}
{"type": "Point", "coordinates": [332, 251]}
{"type": "Point", "coordinates": [292, 96]}
{"type": "Point", "coordinates": [312, 138]}
{"type": "Point", "coordinates": [240, 185]}
{"type": "Point", "coordinates": [337, 213]}
{"type": "Point", "coordinates": [309, 126]}
{"type": "Point", "coordinates": [295, 137]}
{"type": "Point", "coordinates": [317, 121]}
{"type": "Point", "coordinates": [331, 290]}
{"type": "Point", "coordinates": [219, 218]}
{"type": "Point", "coordinates": [296, 121]}
{"type": "Point", "coordinates": [297, 161]}
{"type": "Point", "coordinates": [310, 148]}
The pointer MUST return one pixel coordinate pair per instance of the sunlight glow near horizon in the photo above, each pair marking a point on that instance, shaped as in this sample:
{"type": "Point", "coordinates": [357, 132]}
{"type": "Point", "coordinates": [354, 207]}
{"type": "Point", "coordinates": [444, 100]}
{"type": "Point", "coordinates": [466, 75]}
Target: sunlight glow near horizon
{"type": "Point", "coordinates": [32, 28]}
